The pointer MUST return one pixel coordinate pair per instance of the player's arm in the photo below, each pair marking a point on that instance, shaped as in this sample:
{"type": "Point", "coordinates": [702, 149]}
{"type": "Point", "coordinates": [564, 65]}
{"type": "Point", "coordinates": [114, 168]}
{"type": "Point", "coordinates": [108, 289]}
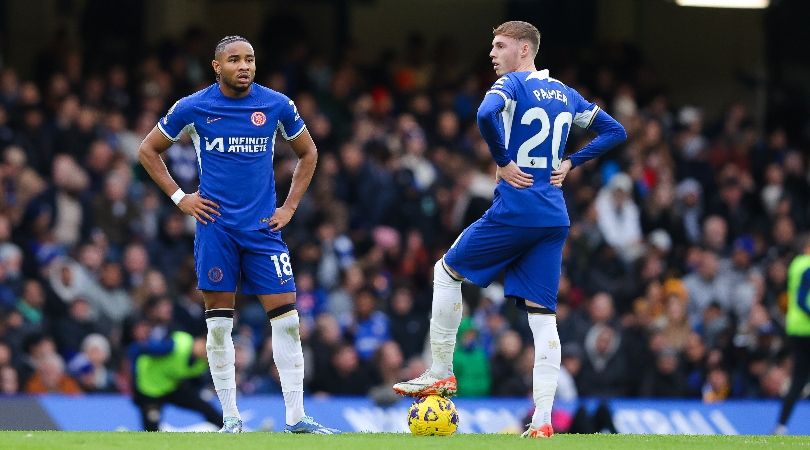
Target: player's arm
{"type": "Point", "coordinates": [610, 133]}
{"type": "Point", "coordinates": [804, 290]}
{"type": "Point", "coordinates": [491, 126]}
{"type": "Point", "coordinates": [304, 148]}
{"type": "Point", "coordinates": [160, 347]}
{"type": "Point", "coordinates": [149, 154]}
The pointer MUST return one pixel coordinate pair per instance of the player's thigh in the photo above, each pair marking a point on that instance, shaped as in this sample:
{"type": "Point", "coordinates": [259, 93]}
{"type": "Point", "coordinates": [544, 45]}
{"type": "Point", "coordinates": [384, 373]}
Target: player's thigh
{"type": "Point", "coordinates": [266, 263]}
{"type": "Point", "coordinates": [536, 275]}
{"type": "Point", "coordinates": [216, 258]}
{"type": "Point", "coordinates": [484, 249]}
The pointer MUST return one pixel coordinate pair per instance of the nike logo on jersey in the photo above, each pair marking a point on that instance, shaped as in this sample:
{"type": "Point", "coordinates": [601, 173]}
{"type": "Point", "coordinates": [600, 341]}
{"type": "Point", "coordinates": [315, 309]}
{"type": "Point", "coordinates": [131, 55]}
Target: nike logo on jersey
{"type": "Point", "coordinates": [212, 120]}
{"type": "Point", "coordinates": [284, 281]}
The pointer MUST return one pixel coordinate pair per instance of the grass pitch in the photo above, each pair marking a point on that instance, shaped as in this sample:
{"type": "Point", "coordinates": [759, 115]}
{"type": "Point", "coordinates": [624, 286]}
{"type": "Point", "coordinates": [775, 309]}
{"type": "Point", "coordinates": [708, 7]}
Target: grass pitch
{"type": "Point", "coordinates": [63, 440]}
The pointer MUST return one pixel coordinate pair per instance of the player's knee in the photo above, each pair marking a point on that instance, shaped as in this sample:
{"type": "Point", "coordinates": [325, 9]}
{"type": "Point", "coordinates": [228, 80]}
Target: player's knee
{"type": "Point", "coordinates": [547, 360]}
{"type": "Point", "coordinates": [443, 275]}
{"type": "Point", "coordinates": [546, 366]}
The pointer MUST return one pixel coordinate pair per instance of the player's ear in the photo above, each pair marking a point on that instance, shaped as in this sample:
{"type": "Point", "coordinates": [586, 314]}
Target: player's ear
{"type": "Point", "coordinates": [215, 65]}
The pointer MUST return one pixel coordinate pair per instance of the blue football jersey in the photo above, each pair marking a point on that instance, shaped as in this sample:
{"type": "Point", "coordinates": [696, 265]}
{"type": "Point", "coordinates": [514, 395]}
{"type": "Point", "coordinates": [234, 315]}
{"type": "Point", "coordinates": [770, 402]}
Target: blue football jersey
{"type": "Point", "coordinates": [537, 117]}
{"type": "Point", "coordinates": [234, 140]}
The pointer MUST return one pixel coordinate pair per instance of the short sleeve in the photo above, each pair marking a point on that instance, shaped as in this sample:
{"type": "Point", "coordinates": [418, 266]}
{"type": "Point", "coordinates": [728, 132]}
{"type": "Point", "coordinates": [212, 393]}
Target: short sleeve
{"type": "Point", "coordinates": [290, 121]}
{"type": "Point", "coordinates": [176, 119]}
{"type": "Point", "coordinates": [504, 87]}
{"type": "Point", "coordinates": [584, 111]}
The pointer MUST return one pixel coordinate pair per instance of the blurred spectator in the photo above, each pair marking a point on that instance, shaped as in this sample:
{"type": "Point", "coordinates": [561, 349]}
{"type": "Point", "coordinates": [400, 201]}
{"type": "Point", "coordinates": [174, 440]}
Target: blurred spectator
{"type": "Point", "coordinates": [470, 363]}
{"type": "Point", "coordinates": [676, 332]}
{"type": "Point", "coordinates": [717, 387]}
{"type": "Point", "coordinates": [69, 281]}
{"type": "Point", "coordinates": [9, 381]}
{"type": "Point", "coordinates": [604, 373]}
{"type": "Point", "coordinates": [170, 247]}
{"type": "Point", "coordinates": [388, 362]}
{"type": "Point", "coordinates": [339, 302]}
{"type": "Point", "coordinates": [707, 285]}
{"type": "Point", "coordinates": [325, 341]}
{"type": "Point", "coordinates": [113, 303]}
{"type": "Point", "coordinates": [619, 217]}
{"type": "Point", "coordinates": [370, 328]}
{"type": "Point", "coordinates": [715, 235]}
{"type": "Point", "coordinates": [665, 379]}
{"type": "Point", "coordinates": [20, 183]}
{"type": "Point", "coordinates": [61, 214]}
{"type": "Point", "coordinates": [775, 382]}
{"type": "Point", "coordinates": [11, 256]}
{"type": "Point", "coordinates": [694, 364]}
{"type": "Point", "coordinates": [71, 330]}
{"type": "Point", "coordinates": [31, 304]}
{"type": "Point", "coordinates": [310, 300]}
{"type": "Point", "coordinates": [743, 277]}
{"type": "Point", "coordinates": [714, 325]}
{"type": "Point", "coordinates": [689, 204]}
{"type": "Point", "coordinates": [35, 346]}
{"type": "Point", "coordinates": [336, 255]}
{"type": "Point", "coordinates": [408, 327]}
{"type": "Point", "coordinates": [6, 355]}
{"type": "Point", "coordinates": [136, 264]}
{"type": "Point", "coordinates": [89, 367]}
{"type": "Point", "coordinates": [505, 367]}
{"type": "Point", "coordinates": [50, 378]}
{"type": "Point", "coordinates": [114, 214]}
{"type": "Point", "coordinates": [348, 376]}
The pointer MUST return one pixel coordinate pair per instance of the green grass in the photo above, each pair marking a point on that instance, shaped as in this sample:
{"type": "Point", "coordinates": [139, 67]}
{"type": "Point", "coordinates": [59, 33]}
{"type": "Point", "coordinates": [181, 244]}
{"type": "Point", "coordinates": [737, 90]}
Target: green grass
{"type": "Point", "coordinates": [63, 440]}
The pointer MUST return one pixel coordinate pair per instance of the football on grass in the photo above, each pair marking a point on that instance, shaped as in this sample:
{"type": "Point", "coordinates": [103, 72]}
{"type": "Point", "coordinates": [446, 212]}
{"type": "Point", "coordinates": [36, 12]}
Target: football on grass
{"type": "Point", "coordinates": [432, 416]}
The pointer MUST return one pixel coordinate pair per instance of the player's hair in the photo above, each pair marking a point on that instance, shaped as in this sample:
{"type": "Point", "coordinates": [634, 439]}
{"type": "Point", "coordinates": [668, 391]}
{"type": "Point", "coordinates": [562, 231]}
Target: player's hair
{"type": "Point", "coordinates": [225, 41]}
{"type": "Point", "coordinates": [522, 31]}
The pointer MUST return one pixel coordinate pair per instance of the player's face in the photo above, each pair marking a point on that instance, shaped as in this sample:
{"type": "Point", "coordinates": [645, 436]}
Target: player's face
{"type": "Point", "coordinates": [505, 54]}
{"type": "Point", "coordinates": [236, 66]}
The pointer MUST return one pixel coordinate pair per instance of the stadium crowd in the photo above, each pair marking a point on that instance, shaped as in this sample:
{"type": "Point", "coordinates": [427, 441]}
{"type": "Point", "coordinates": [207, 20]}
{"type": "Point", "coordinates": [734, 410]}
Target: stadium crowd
{"type": "Point", "coordinates": [673, 278]}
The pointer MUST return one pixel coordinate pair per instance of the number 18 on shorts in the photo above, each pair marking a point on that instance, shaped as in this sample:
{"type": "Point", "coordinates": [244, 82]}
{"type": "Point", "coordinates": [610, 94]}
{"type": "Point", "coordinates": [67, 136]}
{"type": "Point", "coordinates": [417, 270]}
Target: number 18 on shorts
{"type": "Point", "coordinates": [256, 260]}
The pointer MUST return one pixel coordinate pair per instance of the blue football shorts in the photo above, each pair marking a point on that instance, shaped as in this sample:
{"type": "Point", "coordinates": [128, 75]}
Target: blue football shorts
{"type": "Point", "coordinates": [531, 257]}
{"type": "Point", "coordinates": [256, 260]}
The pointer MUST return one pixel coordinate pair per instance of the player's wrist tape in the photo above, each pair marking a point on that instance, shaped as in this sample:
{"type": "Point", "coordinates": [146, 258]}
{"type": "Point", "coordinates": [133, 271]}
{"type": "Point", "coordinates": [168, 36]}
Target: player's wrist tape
{"type": "Point", "coordinates": [177, 196]}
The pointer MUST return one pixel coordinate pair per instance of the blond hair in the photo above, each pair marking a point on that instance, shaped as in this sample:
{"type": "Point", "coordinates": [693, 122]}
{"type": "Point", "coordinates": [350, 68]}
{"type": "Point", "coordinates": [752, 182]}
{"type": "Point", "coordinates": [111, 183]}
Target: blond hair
{"type": "Point", "coordinates": [522, 31]}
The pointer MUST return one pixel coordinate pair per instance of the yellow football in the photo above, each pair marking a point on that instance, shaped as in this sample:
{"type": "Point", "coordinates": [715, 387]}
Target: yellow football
{"type": "Point", "coordinates": [432, 416]}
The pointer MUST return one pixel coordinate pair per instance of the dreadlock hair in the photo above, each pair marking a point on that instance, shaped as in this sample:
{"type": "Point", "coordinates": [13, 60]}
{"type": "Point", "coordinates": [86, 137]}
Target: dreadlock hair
{"type": "Point", "coordinates": [225, 41]}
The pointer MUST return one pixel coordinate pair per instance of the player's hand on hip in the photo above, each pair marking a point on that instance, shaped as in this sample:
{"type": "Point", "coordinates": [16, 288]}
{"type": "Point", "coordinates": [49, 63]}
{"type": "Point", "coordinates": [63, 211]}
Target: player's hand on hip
{"type": "Point", "coordinates": [280, 218]}
{"type": "Point", "coordinates": [558, 176]}
{"type": "Point", "coordinates": [200, 208]}
{"type": "Point", "coordinates": [512, 174]}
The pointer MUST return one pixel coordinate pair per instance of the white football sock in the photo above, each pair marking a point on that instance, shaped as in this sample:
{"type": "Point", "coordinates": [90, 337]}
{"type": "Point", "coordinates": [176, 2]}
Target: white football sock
{"type": "Point", "coordinates": [294, 406]}
{"type": "Point", "coordinates": [289, 360]}
{"type": "Point", "coordinates": [445, 319]}
{"type": "Point", "coordinates": [546, 366]}
{"type": "Point", "coordinates": [227, 398]}
{"type": "Point", "coordinates": [221, 358]}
